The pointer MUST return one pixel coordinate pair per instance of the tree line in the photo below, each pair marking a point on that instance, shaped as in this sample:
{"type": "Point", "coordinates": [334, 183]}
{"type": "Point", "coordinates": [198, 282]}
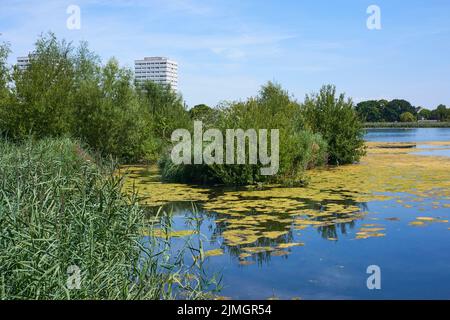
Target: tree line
{"type": "Point", "coordinates": [323, 129]}
{"type": "Point", "coordinates": [399, 110]}
{"type": "Point", "coordinates": [66, 91]}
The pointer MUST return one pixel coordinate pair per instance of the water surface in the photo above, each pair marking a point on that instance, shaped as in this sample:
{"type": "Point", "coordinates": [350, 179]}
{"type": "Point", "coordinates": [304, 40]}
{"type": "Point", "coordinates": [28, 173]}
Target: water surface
{"type": "Point", "coordinates": [408, 135]}
{"type": "Point", "coordinates": [391, 210]}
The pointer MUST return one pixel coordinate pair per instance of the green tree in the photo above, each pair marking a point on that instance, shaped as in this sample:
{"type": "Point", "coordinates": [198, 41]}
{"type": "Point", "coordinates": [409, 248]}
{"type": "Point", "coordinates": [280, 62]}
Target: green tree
{"type": "Point", "coordinates": [272, 108]}
{"type": "Point", "coordinates": [4, 81]}
{"type": "Point", "coordinates": [203, 113]}
{"type": "Point", "coordinates": [407, 117]}
{"type": "Point", "coordinates": [441, 113]}
{"type": "Point", "coordinates": [109, 117]}
{"type": "Point", "coordinates": [4, 70]}
{"type": "Point", "coordinates": [370, 111]}
{"type": "Point", "coordinates": [336, 120]}
{"type": "Point", "coordinates": [395, 108]}
{"type": "Point", "coordinates": [424, 114]}
{"type": "Point", "coordinates": [166, 108]}
{"type": "Point", "coordinates": [42, 92]}
{"type": "Point", "coordinates": [67, 91]}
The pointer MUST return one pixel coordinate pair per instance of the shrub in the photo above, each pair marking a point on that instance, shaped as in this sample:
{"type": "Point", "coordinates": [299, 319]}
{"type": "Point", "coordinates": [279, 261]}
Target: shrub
{"type": "Point", "coordinates": [204, 113]}
{"type": "Point", "coordinates": [109, 117]}
{"type": "Point", "coordinates": [273, 108]}
{"type": "Point", "coordinates": [41, 94]}
{"type": "Point", "coordinates": [166, 109]}
{"type": "Point", "coordinates": [407, 117]}
{"type": "Point", "coordinates": [65, 91]}
{"type": "Point", "coordinates": [336, 120]}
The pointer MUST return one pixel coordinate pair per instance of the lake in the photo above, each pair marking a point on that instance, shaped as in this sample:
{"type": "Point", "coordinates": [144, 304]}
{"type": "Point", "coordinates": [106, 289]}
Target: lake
{"type": "Point", "coordinates": [408, 135]}
{"type": "Point", "coordinates": [392, 210]}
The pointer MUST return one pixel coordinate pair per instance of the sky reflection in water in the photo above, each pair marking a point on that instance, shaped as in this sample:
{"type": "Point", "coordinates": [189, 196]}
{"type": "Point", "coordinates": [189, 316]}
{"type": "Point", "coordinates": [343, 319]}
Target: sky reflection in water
{"type": "Point", "coordinates": [336, 237]}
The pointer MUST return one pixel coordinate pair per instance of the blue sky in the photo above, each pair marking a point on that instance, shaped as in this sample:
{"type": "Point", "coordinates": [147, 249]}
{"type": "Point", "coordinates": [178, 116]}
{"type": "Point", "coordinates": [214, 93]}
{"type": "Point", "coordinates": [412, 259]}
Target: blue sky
{"type": "Point", "coordinates": [226, 49]}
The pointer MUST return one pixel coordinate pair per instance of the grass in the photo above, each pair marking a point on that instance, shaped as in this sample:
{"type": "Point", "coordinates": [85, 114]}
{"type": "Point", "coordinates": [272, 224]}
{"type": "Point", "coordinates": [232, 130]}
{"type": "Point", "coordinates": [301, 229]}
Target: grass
{"type": "Point", "coordinates": [61, 213]}
{"type": "Point", "coordinates": [407, 125]}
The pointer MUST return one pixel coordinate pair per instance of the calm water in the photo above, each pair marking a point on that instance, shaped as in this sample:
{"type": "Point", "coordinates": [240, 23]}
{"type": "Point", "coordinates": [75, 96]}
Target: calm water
{"type": "Point", "coordinates": [414, 260]}
{"type": "Point", "coordinates": [408, 135]}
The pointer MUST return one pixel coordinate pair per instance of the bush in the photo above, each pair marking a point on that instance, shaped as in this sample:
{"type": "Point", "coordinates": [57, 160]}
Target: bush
{"type": "Point", "coordinates": [336, 120]}
{"type": "Point", "coordinates": [166, 109]}
{"type": "Point", "coordinates": [109, 117]}
{"type": "Point", "coordinates": [273, 108]}
{"type": "Point", "coordinates": [407, 117]}
{"type": "Point", "coordinates": [42, 94]}
{"type": "Point", "coordinates": [65, 91]}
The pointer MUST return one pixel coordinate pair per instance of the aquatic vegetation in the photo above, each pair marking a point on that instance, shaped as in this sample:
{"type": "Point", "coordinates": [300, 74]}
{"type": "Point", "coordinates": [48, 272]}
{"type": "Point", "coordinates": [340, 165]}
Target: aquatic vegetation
{"type": "Point", "coordinates": [213, 253]}
{"type": "Point", "coordinates": [224, 298]}
{"type": "Point", "coordinates": [422, 221]}
{"type": "Point", "coordinates": [417, 223]}
{"type": "Point", "coordinates": [160, 233]}
{"type": "Point", "coordinates": [290, 245]}
{"type": "Point", "coordinates": [280, 253]}
{"type": "Point", "coordinates": [255, 221]}
{"type": "Point", "coordinates": [366, 235]}
{"type": "Point", "coordinates": [273, 234]}
{"type": "Point", "coordinates": [240, 237]}
{"type": "Point", "coordinates": [257, 249]}
{"type": "Point", "coordinates": [425, 218]}
{"type": "Point", "coordinates": [145, 181]}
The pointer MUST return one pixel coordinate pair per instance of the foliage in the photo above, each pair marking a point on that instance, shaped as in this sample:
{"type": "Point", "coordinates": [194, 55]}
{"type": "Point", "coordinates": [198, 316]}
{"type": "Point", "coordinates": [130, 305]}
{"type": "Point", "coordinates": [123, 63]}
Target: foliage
{"type": "Point", "coordinates": [370, 111]}
{"type": "Point", "coordinates": [4, 80]}
{"type": "Point", "coordinates": [273, 108]}
{"type": "Point", "coordinates": [384, 111]}
{"type": "Point", "coordinates": [441, 113]}
{"type": "Point", "coordinates": [166, 109]}
{"type": "Point", "coordinates": [43, 92]}
{"type": "Point", "coordinates": [58, 209]}
{"type": "Point", "coordinates": [204, 113]}
{"type": "Point", "coordinates": [424, 114]}
{"type": "Point", "coordinates": [66, 91]}
{"type": "Point", "coordinates": [4, 72]}
{"type": "Point", "coordinates": [407, 117]}
{"type": "Point", "coordinates": [108, 116]}
{"type": "Point", "coordinates": [395, 108]}
{"type": "Point", "coordinates": [336, 120]}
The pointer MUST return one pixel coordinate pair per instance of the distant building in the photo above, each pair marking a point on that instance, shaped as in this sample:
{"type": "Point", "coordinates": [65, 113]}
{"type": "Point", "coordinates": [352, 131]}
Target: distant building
{"type": "Point", "coordinates": [157, 69]}
{"type": "Point", "coordinates": [23, 62]}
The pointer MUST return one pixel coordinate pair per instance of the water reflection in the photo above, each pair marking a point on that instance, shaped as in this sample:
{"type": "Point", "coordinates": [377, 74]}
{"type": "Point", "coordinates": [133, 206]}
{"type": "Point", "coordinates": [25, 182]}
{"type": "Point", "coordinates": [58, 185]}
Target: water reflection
{"type": "Point", "coordinates": [316, 242]}
{"type": "Point", "coordinates": [256, 236]}
{"type": "Point", "coordinates": [407, 134]}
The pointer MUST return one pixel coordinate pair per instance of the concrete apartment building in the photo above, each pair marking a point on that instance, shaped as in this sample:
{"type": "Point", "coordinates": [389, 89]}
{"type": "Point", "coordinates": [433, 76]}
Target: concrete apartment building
{"type": "Point", "coordinates": [23, 62]}
{"type": "Point", "coordinates": [158, 69]}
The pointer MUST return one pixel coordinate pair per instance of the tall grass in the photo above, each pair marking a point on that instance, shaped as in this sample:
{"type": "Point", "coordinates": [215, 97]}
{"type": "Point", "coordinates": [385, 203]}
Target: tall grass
{"type": "Point", "coordinates": [60, 212]}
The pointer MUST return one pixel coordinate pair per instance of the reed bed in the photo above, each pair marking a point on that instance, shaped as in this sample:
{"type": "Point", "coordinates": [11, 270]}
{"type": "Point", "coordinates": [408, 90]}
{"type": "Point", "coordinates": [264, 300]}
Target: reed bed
{"type": "Point", "coordinates": [68, 232]}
